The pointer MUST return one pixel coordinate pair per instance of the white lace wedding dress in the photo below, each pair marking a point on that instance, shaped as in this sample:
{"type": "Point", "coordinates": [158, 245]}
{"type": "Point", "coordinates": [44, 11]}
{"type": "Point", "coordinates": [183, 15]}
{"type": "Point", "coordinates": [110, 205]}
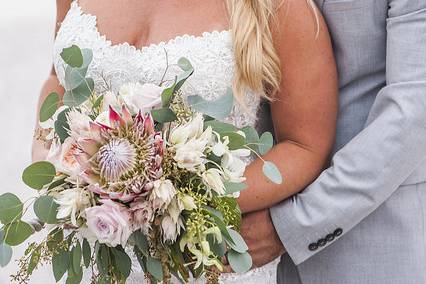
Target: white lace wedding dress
{"type": "Point", "coordinates": [212, 57]}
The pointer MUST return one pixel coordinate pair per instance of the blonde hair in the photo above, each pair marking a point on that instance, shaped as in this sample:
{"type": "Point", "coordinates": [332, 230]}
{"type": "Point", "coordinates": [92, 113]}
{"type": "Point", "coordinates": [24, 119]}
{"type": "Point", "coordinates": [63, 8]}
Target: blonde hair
{"type": "Point", "coordinates": [257, 62]}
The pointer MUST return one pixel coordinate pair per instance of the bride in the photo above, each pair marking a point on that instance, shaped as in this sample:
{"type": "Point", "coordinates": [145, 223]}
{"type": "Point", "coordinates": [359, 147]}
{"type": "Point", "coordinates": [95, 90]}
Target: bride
{"type": "Point", "coordinates": [266, 50]}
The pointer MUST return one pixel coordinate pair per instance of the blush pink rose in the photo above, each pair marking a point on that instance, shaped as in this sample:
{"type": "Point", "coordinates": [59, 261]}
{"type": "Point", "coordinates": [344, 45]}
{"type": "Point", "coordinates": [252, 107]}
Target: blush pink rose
{"type": "Point", "coordinates": [110, 222]}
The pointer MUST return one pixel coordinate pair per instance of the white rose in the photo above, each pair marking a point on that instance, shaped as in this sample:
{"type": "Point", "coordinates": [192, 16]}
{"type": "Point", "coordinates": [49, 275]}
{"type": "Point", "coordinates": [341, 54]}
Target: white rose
{"type": "Point", "coordinates": [72, 203]}
{"type": "Point", "coordinates": [162, 194]}
{"type": "Point", "coordinates": [139, 97]}
{"type": "Point", "coordinates": [213, 179]}
{"type": "Point", "coordinates": [111, 223]}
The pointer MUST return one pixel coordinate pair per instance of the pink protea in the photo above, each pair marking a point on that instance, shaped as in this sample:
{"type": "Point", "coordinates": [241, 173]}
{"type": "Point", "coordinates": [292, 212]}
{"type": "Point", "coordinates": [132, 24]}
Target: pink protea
{"type": "Point", "coordinates": [123, 157]}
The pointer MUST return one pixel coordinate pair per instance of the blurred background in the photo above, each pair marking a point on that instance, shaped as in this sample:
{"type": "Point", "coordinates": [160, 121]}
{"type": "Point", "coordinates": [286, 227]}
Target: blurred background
{"type": "Point", "coordinates": [26, 36]}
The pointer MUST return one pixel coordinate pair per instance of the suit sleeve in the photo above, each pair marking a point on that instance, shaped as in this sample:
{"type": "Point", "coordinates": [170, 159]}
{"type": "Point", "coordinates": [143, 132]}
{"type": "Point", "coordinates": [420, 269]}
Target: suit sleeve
{"type": "Point", "coordinates": [376, 162]}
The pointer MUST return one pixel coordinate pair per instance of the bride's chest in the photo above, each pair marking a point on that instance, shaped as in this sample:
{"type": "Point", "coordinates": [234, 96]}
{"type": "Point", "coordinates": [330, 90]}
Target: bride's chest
{"type": "Point", "coordinates": [210, 54]}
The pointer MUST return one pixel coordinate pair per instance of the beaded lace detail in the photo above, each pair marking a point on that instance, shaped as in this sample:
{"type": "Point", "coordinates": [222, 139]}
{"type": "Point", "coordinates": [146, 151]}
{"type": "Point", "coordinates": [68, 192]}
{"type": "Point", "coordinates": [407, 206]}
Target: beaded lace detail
{"type": "Point", "coordinates": [115, 64]}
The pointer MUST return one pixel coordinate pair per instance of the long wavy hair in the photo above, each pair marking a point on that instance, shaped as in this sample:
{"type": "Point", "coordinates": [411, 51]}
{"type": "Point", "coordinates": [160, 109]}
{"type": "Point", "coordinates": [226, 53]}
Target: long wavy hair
{"type": "Point", "coordinates": [258, 66]}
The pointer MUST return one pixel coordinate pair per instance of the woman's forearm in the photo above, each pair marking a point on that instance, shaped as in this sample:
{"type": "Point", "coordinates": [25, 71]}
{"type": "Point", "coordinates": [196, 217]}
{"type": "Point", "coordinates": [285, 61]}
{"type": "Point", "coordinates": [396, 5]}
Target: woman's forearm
{"type": "Point", "coordinates": [298, 165]}
{"type": "Point", "coordinates": [39, 147]}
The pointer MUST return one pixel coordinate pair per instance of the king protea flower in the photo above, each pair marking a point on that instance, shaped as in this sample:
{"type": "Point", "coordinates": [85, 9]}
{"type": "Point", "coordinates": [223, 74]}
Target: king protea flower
{"type": "Point", "coordinates": [122, 159]}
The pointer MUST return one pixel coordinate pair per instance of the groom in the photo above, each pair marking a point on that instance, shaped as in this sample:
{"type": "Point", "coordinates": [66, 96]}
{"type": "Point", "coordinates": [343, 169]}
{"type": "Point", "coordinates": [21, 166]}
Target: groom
{"type": "Point", "coordinates": [364, 219]}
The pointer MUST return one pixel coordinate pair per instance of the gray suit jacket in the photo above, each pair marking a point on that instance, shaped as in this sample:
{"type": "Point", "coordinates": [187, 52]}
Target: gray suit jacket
{"type": "Point", "coordinates": [364, 219]}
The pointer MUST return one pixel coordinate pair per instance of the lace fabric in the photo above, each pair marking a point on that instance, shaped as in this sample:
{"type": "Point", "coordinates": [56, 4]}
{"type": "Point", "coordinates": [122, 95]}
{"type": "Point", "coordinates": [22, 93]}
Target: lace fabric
{"type": "Point", "coordinates": [115, 64]}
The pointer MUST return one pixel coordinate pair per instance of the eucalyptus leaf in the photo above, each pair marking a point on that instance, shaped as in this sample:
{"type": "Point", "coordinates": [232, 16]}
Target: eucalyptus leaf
{"type": "Point", "coordinates": [163, 115]}
{"type": "Point", "coordinates": [39, 174]}
{"type": "Point", "coordinates": [252, 138]}
{"type": "Point", "coordinates": [60, 264]}
{"type": "Point", "coordinates": [221, 225]}
{"type": "Point", "coordinates": [6, 253]}
{"type": "Point", "coordinates": [232, 187]}
{"type": "Point", "coordinates": [266, 143]}
{"type": "Point", "coordinates": [76, 255]}
{"type": "Point", "coordinates": [185, 64]}
{"type": "Point", "coordinates": [102, 259]}
{"type": "Point", "coordinates": [49, 106]}
{"type": "Point", "coordinates": [141, 242]}
{"type": "Point", "coordinates": [74, 77]}
{"type": "Point", "coordinates": [239, 262]}
{"type": "Point", "coordinates": [72, 56]}
{"type": "Point", "coordinates": [46, 209]}
{"type": "Point", "coordinates": [217, 248]}
{"type": "Point", "coordinates": [62, 126]}
{"type": "Point", "coordinates": [10, 208]}
{"type": "Point", "coordinates": [17, 232]}
{"type": "Point", "coordinates": [154, 268]}
{"type": "Point", "coordinates": [86, 253]}
{"type": "Point", "coordinates": [34, 260]}
{"type": "Point", "coordinates": [87, 57]}
{"type": "Point", "coordinates": [236, 141]}
{"type": "Point", "coordinates": [122, 261]}
{"type": "Point", "coordinates": [167, 95]}
{"type": "Point", "coordinates": [272, 172]}
{"type": "Point", "coordinates": [239, 244]}
{"type": "Point", "coordinates": [181, 79]}
{"type": "Point", "coordinates": [80, 94]}
{"type": "Point", "coordinates": [54, 238]}
{"type": "Point", "coordinates": [1, 236]}
{"type": "Point", "coordinates": [220, 127]}
{"type": "Point", "coordinates": [218, 109]}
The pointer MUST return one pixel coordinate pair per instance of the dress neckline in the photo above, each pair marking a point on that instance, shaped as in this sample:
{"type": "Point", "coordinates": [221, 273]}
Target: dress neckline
{"type": "Point", "coordinates": [204, 36]}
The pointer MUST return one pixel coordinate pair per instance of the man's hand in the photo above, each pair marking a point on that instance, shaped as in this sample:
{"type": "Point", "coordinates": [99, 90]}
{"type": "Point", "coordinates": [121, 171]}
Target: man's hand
{"type": "Point", "coordinates": [262, 239]}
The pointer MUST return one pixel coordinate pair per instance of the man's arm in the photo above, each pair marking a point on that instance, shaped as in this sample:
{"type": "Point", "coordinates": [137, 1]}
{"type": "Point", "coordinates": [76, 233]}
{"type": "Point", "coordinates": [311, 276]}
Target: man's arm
{"type": "Point", "coordinates": [378, 160]}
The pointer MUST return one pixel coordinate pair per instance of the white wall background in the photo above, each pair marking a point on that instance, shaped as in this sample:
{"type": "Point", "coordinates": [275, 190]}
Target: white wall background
{"type": "Point", "coordinates": [26, 35]}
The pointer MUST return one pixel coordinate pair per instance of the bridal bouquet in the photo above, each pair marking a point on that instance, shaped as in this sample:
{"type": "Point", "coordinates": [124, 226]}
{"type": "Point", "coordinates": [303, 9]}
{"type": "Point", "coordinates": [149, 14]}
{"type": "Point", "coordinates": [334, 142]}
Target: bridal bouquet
{"type": "Point", "coordinates": [147, 172]}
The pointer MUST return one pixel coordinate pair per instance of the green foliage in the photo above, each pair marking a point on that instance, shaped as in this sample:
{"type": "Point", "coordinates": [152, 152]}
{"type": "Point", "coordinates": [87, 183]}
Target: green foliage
{"type": "Point", "coordinates": [163, 115]}
{"type": "Point", "coordinates": [46, 209]}
{"type": "Point", "coordinates": [122, 261]}
{"type": "Point", "coordinates": [49, 106]}
{"type": "Point", "coordinates": [62, 126]}
{"type": "Point", "coordinates": [218, 109]}
{"type": "Point", "coordinates": [272, 172]}
{"type": "Point", "coordinates": [6, 253]}
{"type": "Point", "coordinates": [10, 208]}
{"type": "Point", "coordinates": [141, 242]}
{"type": "Point", "coordinates": [76, 255]}
{"type": "Point", "coordinates": [34, 260]}
{"type": "Point", "coordinates": [185, 65]}
{"type": "Point", "coordinates": [86, 253]}
{"type": "Point", "coordinates": [239, 262]}
{"type": "Point", "coordinates": [60, 264]}
{"type": "Point", "coordinates": [72, 56]}
{"type": "Point", "coordinates": [239, 244]}
{"type": "Point", "coordinates": [80, 94]}
{"type": "Point", "coordinates": [39, 174]}
{"type": "Point", "coordinates": [220, 127]}
{"type": "Point", "coordinates": [17, 232]}
{"type": "Point", "coordinates": [252, 138]}
{"type": "Point", "coordinates": [232, 187]}
{"type": "Point", "coordinates": [266, 142]}
{"type": "Point", "coordinates": [154, 268]}
{"type": "Point", "coordinates": [236, 141]}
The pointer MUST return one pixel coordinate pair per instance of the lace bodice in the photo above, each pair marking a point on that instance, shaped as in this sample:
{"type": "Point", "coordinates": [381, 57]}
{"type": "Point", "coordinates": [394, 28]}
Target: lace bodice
{"type": "Point", "coordinates": [115, 64]}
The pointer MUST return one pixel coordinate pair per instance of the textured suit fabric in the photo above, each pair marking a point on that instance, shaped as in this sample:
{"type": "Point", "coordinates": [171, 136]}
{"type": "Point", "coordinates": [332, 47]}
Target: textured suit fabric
{"type": "Point", "coordinates": [374, 191]}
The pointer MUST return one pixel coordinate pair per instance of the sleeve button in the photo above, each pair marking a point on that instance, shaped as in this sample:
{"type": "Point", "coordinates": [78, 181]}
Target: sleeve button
{"type": "Point", "coordinates": [321, 242]}
{"type": "Point", "coordinates": [313, 247]}
{"type": "Point", "coordinates": [338, 232]}
{"type": "Point", "coordinates": [329, 237]}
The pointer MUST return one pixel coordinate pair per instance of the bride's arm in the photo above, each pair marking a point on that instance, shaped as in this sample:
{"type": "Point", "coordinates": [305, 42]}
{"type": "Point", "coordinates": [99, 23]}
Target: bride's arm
{"type": "Point", "coordinates": [304, 111]}
{"type": "Point", "coordinates": [39, 149]}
